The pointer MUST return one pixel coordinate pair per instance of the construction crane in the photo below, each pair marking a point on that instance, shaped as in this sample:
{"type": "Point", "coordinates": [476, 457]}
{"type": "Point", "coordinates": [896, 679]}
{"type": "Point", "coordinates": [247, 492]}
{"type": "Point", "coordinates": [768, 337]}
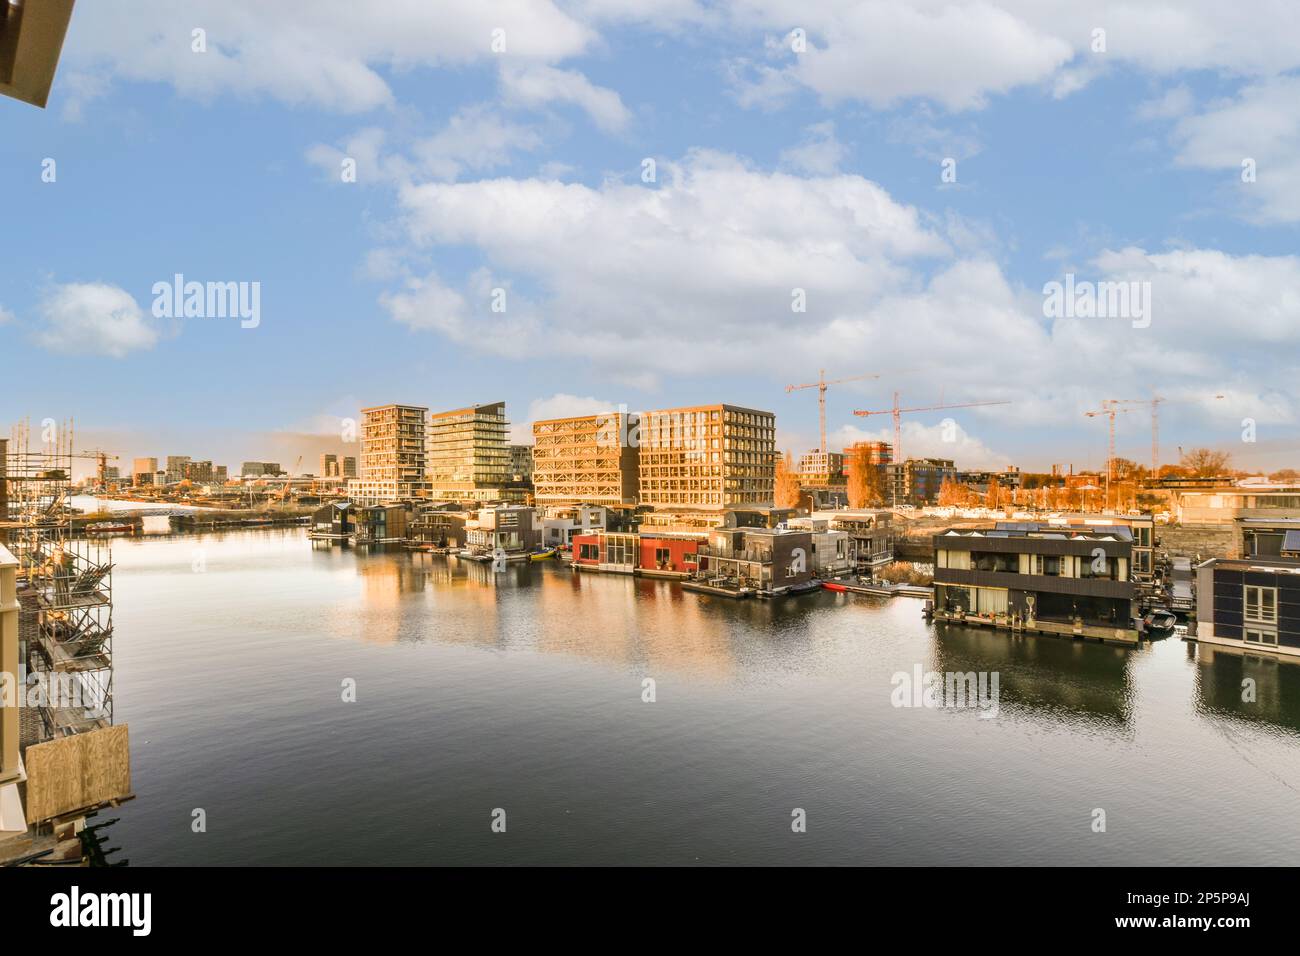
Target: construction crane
{"type": "Point", "coordinates": [898, 412]}
{"type": "Point", "coordinates": [102, 459]}
{"type": "Point", "coordinates": [821, 385]}
{"type": "Point", "coordinates": [1112, 406]}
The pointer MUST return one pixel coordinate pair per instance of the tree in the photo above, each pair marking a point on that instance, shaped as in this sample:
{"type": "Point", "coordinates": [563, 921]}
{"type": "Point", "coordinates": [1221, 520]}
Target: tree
{"type": "Point", "coordinates": [1287, 476]}
{"type": "Point", "coordinates": [1205, 462]}
{"type": "Point", "coordinates": [993, 497]}
{"type": "Point", "coordinates": [953, 493]}
{"type": "Point", "coordinates": [864, 486]}
{"type": "Point", "coordinates": [787, 483]}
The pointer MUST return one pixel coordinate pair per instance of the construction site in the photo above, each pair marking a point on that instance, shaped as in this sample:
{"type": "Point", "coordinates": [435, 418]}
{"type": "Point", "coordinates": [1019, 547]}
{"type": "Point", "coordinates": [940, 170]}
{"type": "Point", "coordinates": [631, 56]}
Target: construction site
{"type": "Point", "coordinates": [72, 760]}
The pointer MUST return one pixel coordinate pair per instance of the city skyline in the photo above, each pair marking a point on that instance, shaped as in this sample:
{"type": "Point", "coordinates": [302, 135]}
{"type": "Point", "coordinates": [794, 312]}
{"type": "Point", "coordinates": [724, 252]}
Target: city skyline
{"type": "Point", "coordinates": [648, 242]}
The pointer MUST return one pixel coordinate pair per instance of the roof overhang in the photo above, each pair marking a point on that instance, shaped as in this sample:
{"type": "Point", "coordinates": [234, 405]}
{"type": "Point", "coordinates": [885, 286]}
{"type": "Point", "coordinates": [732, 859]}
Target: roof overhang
{"type": "Point", "coordinates": [31, 39]}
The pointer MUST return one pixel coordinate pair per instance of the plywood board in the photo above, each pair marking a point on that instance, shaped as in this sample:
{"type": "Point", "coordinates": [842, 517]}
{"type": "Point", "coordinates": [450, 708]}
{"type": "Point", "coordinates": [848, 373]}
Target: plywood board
{"type": "Point", "coordinates": [78, 772]}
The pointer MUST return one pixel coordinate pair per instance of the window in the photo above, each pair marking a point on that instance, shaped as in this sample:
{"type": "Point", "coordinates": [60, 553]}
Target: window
{"type": "Point", "coordinates": [1261, 605]}
{"type": "Point", "coordinates": [663, 558]}
{"type": "Point", "coordinates": [1259, 636]}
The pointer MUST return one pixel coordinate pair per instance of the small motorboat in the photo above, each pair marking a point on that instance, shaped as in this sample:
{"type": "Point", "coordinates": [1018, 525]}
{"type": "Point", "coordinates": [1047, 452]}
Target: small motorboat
{"type": "Point", "coordinates": [544, 555]}
{"type": "Point", "coordinates": [1160, 620]}
{"type": "Point", "coordinates": [833, 586]}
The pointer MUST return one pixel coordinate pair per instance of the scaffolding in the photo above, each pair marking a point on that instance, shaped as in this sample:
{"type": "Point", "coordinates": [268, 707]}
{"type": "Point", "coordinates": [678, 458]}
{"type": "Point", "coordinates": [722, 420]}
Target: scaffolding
{"type": "Point", "coordinates": [66, 597]}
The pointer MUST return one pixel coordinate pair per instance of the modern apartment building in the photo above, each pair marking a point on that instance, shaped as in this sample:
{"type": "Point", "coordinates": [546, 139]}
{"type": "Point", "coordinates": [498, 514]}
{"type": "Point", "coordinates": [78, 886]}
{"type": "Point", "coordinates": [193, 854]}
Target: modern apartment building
{"type": "Point", "coordinates": [329, 466]}
{"type": "Point", "coordinates": [521, 463]}
{"type": "Point", "coordinates": [821, 469]}
{"type": "Point", "coordinates": [259, 469]}
{"type": "Point", "coordinates": [1250, 603]}
{"type": "Point", "coordinates": [917, 481]}
{"type": "Point", "coordinates": [706, 457]}
{"type": "Point", "coordinates": [176, 467]}
{"type": "Point", "coordinates": [469, 454]}
{"type": "Point", "coordinates": [392, 454]}
{"type": "Point", "coordinates": [349, 467]}
{"type": "Point", "coordinates": [1074, 581]}
{"type": "Point", "coordinates": [143, 471]}
{"type": "Point", "coordinates": [589, 459]}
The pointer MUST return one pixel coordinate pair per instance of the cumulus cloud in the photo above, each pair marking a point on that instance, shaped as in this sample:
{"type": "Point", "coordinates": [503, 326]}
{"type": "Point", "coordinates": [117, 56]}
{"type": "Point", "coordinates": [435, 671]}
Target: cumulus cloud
{"type": "Point", "coordinates": [819, 153]}
{"type": "Point", "coordinates": [559, 405]}
{"type": "Point", "coordinates": [93, 318]}
{"type": "Point", "coordinates": [329, 54]}
{"type": "Point", "coordinates": [538, 84]}
{"type": "Point", "coordinates": [935, 440]}
{"type": "Point", "coordinates": [1261, 124]}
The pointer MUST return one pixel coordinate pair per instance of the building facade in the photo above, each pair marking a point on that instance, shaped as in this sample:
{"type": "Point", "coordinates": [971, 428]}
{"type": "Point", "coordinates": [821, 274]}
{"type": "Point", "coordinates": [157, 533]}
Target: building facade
{"type": "Point", "coordinates": [707, 457]}
{"type": "Point", "coordinates": [469, 454]}
{"type": "Point", "coordinates": [588, 459]}
{"type": "Point", "coordinates": [143, 471]}
{"type": "Point", "coordinates": [1072, 581]}
{"type": "Point", "coordinates": [917, 481]}
{"type": "Point", "coordinates": [392, 454]}
{"type": "Point", "coordinates": [1251, 604]}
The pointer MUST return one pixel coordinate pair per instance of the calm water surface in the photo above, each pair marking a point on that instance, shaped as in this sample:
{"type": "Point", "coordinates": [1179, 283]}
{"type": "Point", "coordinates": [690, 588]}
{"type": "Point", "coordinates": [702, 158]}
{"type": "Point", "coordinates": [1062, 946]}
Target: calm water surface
{"type": "Point", "coordinates": [523, 691]}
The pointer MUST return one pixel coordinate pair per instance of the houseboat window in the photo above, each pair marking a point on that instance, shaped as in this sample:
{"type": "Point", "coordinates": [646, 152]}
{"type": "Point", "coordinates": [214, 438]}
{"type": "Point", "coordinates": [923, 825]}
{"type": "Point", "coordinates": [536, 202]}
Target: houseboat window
{"type": "Point", "coordinates": [1254, 636]}
{"type": "Point", "coordinates": [1261, 604]}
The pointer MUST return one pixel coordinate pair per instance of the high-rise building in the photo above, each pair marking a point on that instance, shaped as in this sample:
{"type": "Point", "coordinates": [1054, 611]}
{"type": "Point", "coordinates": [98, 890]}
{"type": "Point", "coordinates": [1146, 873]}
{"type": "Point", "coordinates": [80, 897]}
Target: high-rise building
{"type": "Point", "coordinates": [176, 467]}
{"type": "Point", "coordinates": [142, 471]}
{"type": "Point", "coordinates": [917, 481]}
{"type": "Point", "coordinates": [392, 453]}
{"type": "Point", "coordinates": [329, 466]}
{"type": "Point", "coordinates": [709, 457]}
{"type": "Point", "coordinates": [199, 472]}
{"type": "Point", "coordinates": [469, 456]}
{"type": "Point", "coordinates": [878, 452]}
{"type": "Point", "coordinates": [590, 459]}
{"type": "Point", "coordinates": [349, 467]}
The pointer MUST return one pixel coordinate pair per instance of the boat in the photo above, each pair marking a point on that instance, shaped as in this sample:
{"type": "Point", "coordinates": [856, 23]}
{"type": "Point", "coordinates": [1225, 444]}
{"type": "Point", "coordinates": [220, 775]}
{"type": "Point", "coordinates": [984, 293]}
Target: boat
{"type": "Point", "coordinates": [807, 587]}
{"type": "Point", "coordinates": [833, 586]}
{"type": "Point", "coordinates": [1159, 619]}
{"type": "Point", "coordinates": [544, 555]}
{"type": "Point", "coordinates": [110, 527]}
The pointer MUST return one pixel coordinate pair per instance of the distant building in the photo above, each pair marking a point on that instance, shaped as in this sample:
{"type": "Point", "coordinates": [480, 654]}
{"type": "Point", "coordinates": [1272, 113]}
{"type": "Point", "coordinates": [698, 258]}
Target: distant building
{"type": "Point", "coordinates": [587, 459]}
{"type": "Point", "coordinates": [871, 533]}
{"type": "Point", "coordinates": [508, 528]}
{"type": "Point", "coordinates": [706, 457]}
{"type": "Point", "coordinates": [469, 457]}
{"type": "Point", "coordinates": [878, 452]}
{"type": "Point", "coordinates": [197, 472]}
{"type": "Point", "coordinates": [821, 469]}
{"type": "Point", "coordinates": [329, 466]}
{"type": "Point", "coordinates": [143, 471]}
{"type": "Point", "coordinates": [917, 481]}
{"type": "Point", "coordinates": [220, 474]}
{"type": "Point", "coordinates": [393, 454]}
{"type": "Point", "coordinates": [176, 468]}
{"type": "Point", "coordinates": [260, 469]}
{"type": "Point", "coordinates": [349, 466]}
{"type": "Point", "coordinates": [1251, 604]}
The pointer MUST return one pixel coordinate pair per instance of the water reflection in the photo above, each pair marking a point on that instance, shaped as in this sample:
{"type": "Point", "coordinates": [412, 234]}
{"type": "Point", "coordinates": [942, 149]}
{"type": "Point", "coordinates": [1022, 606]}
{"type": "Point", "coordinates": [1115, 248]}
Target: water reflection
{"type": "Point", "coordinates": [1222, 690]}
{"type": "Point", "coordinates": [1058, 679]}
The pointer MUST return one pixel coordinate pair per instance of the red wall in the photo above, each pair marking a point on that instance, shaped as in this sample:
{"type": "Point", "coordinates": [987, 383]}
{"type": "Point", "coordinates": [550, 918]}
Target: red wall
{"type": "Point", "coordinates": [678, 549]}
{"type": "Point", "coordinates": [578, 541]}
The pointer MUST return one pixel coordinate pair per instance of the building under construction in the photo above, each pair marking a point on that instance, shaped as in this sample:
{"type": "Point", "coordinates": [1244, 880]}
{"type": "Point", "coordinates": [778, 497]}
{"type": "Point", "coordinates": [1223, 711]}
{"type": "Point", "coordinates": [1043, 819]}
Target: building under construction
{"type": "Point", "coordinates": [75, 759]}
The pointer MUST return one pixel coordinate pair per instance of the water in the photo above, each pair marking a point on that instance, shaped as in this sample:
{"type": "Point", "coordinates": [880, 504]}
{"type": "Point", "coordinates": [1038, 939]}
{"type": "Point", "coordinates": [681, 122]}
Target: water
{"type": "Point", "coordinates": [522, 691]}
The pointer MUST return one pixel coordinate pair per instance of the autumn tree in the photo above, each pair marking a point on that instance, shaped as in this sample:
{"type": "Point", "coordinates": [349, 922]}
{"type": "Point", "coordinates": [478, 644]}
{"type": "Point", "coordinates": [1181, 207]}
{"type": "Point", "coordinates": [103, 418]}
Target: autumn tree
{"type": "Point", "coordinates": [1287, 476]}
{"type": "Point", "coordinates": [953, 493]}
{"type": "Point", "coordinates": [864, 484]}
{"type": "Point", "coordinates": [1205, 462]}
{"type": "Point", "coordinates": [787, 483]}
{"type": "Point", "coordinates": [993, 497]}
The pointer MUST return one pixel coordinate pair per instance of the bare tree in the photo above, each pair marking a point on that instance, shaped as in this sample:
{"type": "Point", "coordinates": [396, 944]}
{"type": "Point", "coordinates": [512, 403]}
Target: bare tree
{"type": "Point", "coordinates": [1205, 462]}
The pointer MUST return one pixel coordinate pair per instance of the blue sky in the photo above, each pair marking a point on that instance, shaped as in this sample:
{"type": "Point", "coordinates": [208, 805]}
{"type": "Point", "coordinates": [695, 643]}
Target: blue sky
{"type": "Point", "coordinates": [775, 170]}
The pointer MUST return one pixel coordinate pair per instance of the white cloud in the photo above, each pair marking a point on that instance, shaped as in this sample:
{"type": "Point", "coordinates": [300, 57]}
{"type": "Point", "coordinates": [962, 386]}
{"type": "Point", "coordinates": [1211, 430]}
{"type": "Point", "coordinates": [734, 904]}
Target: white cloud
{"type": "Point", "coordinates": [819, 153]}
{"type": "Point", "coordinates": [5, 315]}
{"type": "Point", "coordinates": [1261, 123]}
{"type": "Point", "coordinates": [958, 53]}
{"type": "Point", "coordinates": [327, 54]}
{"type": "Point", "coordinates": [537, 85]}
{"type": "Point", "coordinates": [93, 318]}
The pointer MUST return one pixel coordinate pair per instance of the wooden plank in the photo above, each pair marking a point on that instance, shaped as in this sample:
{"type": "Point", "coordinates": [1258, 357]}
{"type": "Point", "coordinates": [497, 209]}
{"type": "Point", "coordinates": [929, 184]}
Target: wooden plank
{"type": "Point", "coordinates": [78, 772]}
